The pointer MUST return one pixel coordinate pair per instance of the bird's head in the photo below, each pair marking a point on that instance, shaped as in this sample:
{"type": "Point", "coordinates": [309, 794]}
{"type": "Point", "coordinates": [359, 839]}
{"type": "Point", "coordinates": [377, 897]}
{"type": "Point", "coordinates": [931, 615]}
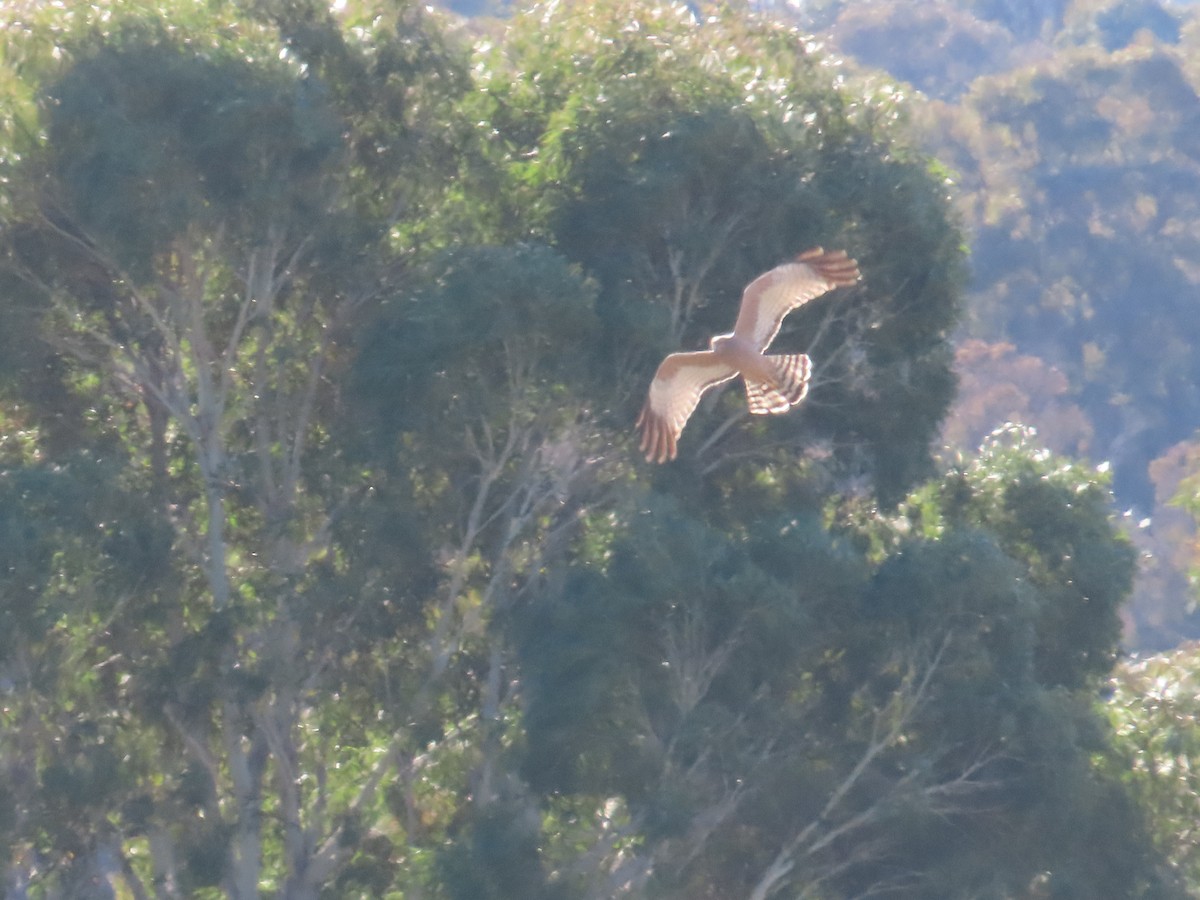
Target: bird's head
{"type": "Point", "coordinates": [719, 340]}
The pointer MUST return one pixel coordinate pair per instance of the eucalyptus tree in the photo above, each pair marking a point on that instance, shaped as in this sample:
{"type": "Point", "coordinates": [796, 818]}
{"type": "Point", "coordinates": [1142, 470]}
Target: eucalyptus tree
{"type": "Point", "coordinates": [193, 230]}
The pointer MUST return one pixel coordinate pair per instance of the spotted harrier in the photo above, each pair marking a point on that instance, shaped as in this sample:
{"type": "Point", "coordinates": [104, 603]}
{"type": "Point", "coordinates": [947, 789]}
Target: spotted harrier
{"type": "Point", "coordinates": [774, 384]}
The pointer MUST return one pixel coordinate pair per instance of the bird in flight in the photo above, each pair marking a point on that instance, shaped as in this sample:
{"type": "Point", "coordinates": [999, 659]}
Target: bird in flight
{"type": "Point", "coordinates": [774, 384]}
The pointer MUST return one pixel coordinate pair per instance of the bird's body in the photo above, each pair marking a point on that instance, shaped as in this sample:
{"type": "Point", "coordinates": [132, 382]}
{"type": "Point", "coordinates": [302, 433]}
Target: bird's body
{"type": "Point", "coordinates": [742, 355]}
{"type": "Point", "coordinates": [774, 383]}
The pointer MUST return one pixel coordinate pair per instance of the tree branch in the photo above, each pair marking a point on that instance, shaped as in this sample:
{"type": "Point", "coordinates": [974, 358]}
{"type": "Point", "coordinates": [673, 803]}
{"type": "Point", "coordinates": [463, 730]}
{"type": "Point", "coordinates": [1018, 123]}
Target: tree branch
{"type": "Point", "coordinates": [806, 843]}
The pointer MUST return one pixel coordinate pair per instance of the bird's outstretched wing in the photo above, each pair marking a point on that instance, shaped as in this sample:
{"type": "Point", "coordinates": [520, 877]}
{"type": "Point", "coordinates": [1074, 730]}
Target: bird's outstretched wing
{"type": "Point", "coordinates": [772, 295]}
{"type": "Point", "coordinates": [674, 393]}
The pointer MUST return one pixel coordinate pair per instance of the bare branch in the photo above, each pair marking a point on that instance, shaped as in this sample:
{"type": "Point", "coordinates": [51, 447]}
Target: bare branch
{"type": "Point", "coordinates": [690, 664]}
{"type": "Point", "coordinates": [197, 747]}
{"type": "Point", "coordinates": [329, 855]}
{"type": "Point", "coordinates": [888, 725]}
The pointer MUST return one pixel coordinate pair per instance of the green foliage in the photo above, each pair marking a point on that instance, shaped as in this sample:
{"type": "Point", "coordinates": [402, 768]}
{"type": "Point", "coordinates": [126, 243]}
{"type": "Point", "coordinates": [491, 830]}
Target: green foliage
{"type": "Point", "coordinates": [397, 79]}
{"type": "Point", "coordinates": [1052, 517]}
{"type": "Point", "coordinates": [669, 668]}
{"type": "Point", "coordinates": [486, 333]}
{"type": "Point", "coordinates": [171, 137]}
{"type": "Point", "coordinates": [498, 858]}
{"type": "Point", "coordinates": [1155, 717]}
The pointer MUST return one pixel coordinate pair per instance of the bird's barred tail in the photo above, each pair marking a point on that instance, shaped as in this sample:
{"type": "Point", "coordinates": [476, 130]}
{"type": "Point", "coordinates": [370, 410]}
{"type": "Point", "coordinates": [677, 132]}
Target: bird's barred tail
{"type": "Point", "coordinates": [793, 374]}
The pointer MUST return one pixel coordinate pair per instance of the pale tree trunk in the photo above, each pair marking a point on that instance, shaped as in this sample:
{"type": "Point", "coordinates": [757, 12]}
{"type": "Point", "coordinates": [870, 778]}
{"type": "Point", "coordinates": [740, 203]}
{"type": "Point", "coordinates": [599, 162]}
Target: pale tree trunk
{"type": "Point", "coordinates": [181, 375]}
{"type": "Point", "coordinates": [547, 469]}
